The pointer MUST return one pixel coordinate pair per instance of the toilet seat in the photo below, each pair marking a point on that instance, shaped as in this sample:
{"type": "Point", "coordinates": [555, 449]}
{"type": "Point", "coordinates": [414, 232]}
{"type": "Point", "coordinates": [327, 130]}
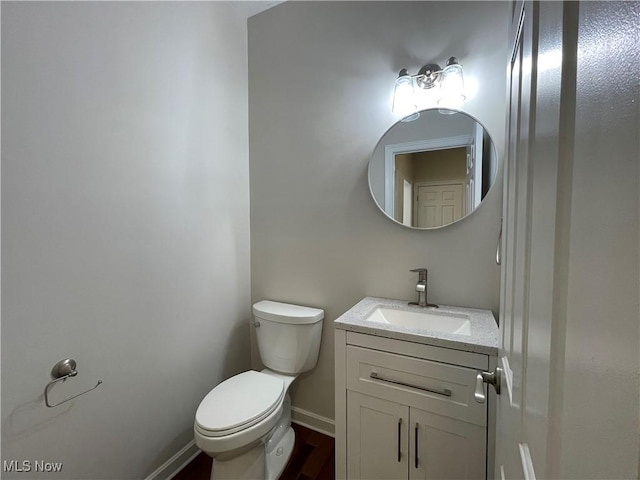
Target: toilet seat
{"type": "Point", "coordinates": [239, 403]}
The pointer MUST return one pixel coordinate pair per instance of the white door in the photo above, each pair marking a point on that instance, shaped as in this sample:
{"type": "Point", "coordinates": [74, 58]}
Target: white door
{"type": "Point", "coordinates": [529, 243]}
{"type": "Point", "coordinates": [377, 439]}
{"type": "Point", "coordinates": [509, 403]}
{"type": "Point", "coordinates": [444, 448]}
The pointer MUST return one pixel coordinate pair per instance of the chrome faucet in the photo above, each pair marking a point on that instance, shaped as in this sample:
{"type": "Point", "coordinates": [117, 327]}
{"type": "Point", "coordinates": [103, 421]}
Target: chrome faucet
{"type": "Point", "coordinates": [421, 288]}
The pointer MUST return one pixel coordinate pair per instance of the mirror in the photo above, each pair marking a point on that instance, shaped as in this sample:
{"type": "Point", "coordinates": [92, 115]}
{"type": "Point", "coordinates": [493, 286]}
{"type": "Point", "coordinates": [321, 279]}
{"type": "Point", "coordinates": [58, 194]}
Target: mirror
{"type": "Point", "coordinates": [432, 169]}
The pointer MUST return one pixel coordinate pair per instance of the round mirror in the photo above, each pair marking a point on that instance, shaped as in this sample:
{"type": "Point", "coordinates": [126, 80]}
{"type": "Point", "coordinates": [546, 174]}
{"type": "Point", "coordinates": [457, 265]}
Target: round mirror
{"type": "Point", "coordinates": [432, 169]}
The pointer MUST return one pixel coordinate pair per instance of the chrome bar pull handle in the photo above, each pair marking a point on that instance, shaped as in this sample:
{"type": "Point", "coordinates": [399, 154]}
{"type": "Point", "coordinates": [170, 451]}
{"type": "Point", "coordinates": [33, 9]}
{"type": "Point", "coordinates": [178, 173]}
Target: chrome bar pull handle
{"type": "Point", "coordinates": [399, 438]}
{"type": "Point", "coordinates": [445, 392]}
{"type": "Point", "coordinates": [492, 378]}
{"type": "Point", "coordinates": [415, 453]}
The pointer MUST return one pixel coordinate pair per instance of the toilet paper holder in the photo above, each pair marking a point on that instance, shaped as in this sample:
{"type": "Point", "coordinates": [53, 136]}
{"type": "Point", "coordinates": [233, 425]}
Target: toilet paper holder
{"type": "Point", "coordinates": [61, 371]}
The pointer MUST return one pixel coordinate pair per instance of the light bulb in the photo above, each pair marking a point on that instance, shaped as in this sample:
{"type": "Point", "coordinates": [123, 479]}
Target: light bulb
{"type": "Point", "coordinates": [403, 96]}
{"type": "Point", "coordinates": [452, 85]}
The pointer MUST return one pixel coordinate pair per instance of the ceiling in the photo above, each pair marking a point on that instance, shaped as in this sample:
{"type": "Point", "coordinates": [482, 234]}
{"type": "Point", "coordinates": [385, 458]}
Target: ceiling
{"type": "Point", "coordinates": [249, 8]}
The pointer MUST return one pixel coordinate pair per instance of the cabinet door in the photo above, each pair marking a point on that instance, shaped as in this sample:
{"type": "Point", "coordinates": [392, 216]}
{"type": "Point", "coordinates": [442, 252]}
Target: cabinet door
{"type": "Point", "coordinates": [445, 448]}
{"type": "Point", "coordinates": [377, 438]}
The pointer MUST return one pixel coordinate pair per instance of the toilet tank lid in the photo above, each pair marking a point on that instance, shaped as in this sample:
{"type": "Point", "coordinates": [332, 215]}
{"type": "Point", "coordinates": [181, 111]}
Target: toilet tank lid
{"type": "Point", "coordinates": [286, 313]}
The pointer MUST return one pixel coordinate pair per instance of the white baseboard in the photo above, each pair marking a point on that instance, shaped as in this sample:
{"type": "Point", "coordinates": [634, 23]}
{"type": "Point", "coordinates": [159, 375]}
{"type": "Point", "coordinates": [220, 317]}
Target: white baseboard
{"type": "Point", "coordinates": [171, 467]}
{"type": "Point", "coordinates": [313, 421]}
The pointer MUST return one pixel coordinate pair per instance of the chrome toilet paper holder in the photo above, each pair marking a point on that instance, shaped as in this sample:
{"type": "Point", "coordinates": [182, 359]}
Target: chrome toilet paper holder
{"type": "Point", "coordinates": [61, 371]}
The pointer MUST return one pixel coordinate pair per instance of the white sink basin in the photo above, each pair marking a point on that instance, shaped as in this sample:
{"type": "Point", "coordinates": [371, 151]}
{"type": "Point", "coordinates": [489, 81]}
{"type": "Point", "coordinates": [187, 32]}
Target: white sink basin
{"type": "Point", "coordinates": [433, 321]}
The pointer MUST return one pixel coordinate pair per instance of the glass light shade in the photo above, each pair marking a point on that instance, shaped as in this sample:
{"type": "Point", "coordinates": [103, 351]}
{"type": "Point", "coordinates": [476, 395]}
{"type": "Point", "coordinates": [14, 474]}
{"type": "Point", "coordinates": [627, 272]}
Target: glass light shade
{"type": "Point", "coordinates": [452, 87]}
{"type": "Point", "coordinates": [403, 96]}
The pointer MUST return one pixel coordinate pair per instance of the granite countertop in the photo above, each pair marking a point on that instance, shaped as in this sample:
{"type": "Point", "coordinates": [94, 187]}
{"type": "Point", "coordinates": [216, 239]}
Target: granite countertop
{"type": "Point", "coordinates": [484, 329]}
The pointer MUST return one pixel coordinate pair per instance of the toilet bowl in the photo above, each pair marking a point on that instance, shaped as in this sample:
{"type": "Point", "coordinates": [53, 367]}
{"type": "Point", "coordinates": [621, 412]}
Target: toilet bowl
{"type": "Point", "coordinates": [244, 423]}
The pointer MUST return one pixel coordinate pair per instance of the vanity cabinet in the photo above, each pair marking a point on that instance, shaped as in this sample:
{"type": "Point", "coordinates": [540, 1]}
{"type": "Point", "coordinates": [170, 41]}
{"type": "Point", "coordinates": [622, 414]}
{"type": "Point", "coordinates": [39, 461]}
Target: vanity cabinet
{"type": "Point", "coordinates": [406, 410]}
{"type": "Point", "coordinates": [388, 440]}
{"type": "Point", "coordinates": [376, 437]}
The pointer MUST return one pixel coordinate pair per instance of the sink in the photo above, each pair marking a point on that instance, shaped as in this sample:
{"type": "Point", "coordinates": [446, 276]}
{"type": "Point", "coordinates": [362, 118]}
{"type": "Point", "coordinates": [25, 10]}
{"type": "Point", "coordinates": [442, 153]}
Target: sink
{"type": "Point", "coordinates": [433, 321]}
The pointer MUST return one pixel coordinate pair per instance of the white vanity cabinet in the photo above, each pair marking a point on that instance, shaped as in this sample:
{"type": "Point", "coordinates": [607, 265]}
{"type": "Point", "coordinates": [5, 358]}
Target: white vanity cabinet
{"type": "Point", "coordinates": [407, 410]}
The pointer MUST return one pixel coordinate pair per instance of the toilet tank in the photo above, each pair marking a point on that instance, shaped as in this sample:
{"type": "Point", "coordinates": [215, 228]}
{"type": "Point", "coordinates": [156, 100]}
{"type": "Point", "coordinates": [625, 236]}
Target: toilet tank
{"type": "Point", "coordinates": [288, 335]}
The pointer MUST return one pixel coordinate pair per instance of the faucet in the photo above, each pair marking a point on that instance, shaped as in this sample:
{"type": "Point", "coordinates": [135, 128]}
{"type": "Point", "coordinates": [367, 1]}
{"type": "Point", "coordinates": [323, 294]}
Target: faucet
{"type": "Point", "coordinates": [421, 288]}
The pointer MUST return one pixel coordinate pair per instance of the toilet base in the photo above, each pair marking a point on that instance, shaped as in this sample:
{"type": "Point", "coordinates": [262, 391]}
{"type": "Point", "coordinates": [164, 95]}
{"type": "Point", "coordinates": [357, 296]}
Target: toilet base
{"type": "Point", "coordinates": [256, 462]}
{"type": "Point", "coordinates": [278, 457]}
{"type": "Point", "coordinates": [249, 465]}
{"type": "Point", "coordinates": [263, 460]}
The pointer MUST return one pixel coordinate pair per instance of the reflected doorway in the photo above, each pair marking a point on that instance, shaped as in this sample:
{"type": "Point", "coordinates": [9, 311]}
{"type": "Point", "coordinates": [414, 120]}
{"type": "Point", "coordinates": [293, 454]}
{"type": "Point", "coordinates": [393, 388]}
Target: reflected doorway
{"type": "Point", "coordinates": [430, 187]}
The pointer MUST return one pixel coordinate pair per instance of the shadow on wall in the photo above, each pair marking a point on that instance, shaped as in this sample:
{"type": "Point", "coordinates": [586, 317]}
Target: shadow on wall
{"type": "Point", "coordinates": [29, 418]}
{"type": "Point", "coordinates": [238, 352]}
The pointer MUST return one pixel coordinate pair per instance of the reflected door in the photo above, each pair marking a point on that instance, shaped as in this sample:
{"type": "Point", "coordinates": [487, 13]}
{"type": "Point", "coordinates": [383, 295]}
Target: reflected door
{"type": "Point", "coordinates": [439, 205]}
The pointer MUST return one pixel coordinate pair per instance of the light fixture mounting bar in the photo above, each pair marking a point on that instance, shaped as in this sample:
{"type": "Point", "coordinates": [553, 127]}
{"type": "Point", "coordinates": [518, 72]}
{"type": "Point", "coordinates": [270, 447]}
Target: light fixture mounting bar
{"type": "Point", "coordinates": [428, 75]}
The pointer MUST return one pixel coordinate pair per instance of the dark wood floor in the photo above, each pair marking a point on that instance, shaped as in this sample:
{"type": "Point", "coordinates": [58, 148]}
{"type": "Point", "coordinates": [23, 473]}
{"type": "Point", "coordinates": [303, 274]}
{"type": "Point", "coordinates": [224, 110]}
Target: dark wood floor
{"type": "Point", "coordinates": [312, 459]}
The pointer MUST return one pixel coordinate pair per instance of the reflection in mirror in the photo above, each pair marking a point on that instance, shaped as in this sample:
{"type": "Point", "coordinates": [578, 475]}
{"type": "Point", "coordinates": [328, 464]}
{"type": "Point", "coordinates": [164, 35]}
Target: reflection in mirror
{"type": "Point", "coordinates": [434, 170]}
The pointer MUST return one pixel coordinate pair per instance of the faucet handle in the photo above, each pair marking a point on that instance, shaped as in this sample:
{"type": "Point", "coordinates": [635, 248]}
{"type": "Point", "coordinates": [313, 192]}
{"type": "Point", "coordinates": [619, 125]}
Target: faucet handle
{"type": "Point", "coordinates": [422, 274]}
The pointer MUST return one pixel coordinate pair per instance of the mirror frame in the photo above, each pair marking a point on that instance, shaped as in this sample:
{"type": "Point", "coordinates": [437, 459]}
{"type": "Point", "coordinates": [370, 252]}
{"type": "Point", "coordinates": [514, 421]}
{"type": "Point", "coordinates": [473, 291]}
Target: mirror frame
{"type": "Point", "coordinates": [406, 120]}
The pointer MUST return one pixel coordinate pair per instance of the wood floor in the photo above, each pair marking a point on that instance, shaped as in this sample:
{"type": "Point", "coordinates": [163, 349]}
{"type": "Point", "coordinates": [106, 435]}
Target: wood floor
{"type": "Point", "coordinates": [312, 459]}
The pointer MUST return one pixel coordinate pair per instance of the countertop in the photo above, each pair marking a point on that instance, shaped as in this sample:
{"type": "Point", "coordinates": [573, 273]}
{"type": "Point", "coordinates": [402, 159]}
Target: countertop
{"type": "Point", "coordinates": [484, 329]}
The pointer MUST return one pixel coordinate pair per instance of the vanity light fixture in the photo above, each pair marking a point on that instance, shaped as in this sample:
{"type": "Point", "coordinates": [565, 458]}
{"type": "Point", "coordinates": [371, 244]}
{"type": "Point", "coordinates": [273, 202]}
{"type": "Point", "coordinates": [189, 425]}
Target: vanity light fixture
{"type": "Point", "coordinates": [447, 83]}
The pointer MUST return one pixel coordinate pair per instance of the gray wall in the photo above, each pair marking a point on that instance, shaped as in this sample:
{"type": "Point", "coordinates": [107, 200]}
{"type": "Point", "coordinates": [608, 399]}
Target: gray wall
{"type": "Point", "coordinates": [320, 82]}
{"type": "Point", "coordinates": [125, 228]}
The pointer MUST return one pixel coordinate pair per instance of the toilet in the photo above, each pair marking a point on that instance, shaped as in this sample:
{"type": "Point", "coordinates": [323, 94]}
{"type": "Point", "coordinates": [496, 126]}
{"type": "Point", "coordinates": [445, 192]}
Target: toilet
{"type": "Point", "coordinates": [244, 423]}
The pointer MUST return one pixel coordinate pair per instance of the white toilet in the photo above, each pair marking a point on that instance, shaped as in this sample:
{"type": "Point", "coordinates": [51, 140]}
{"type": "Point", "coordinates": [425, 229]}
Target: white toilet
{"type": "Point", "coordinates": [244, 423]}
